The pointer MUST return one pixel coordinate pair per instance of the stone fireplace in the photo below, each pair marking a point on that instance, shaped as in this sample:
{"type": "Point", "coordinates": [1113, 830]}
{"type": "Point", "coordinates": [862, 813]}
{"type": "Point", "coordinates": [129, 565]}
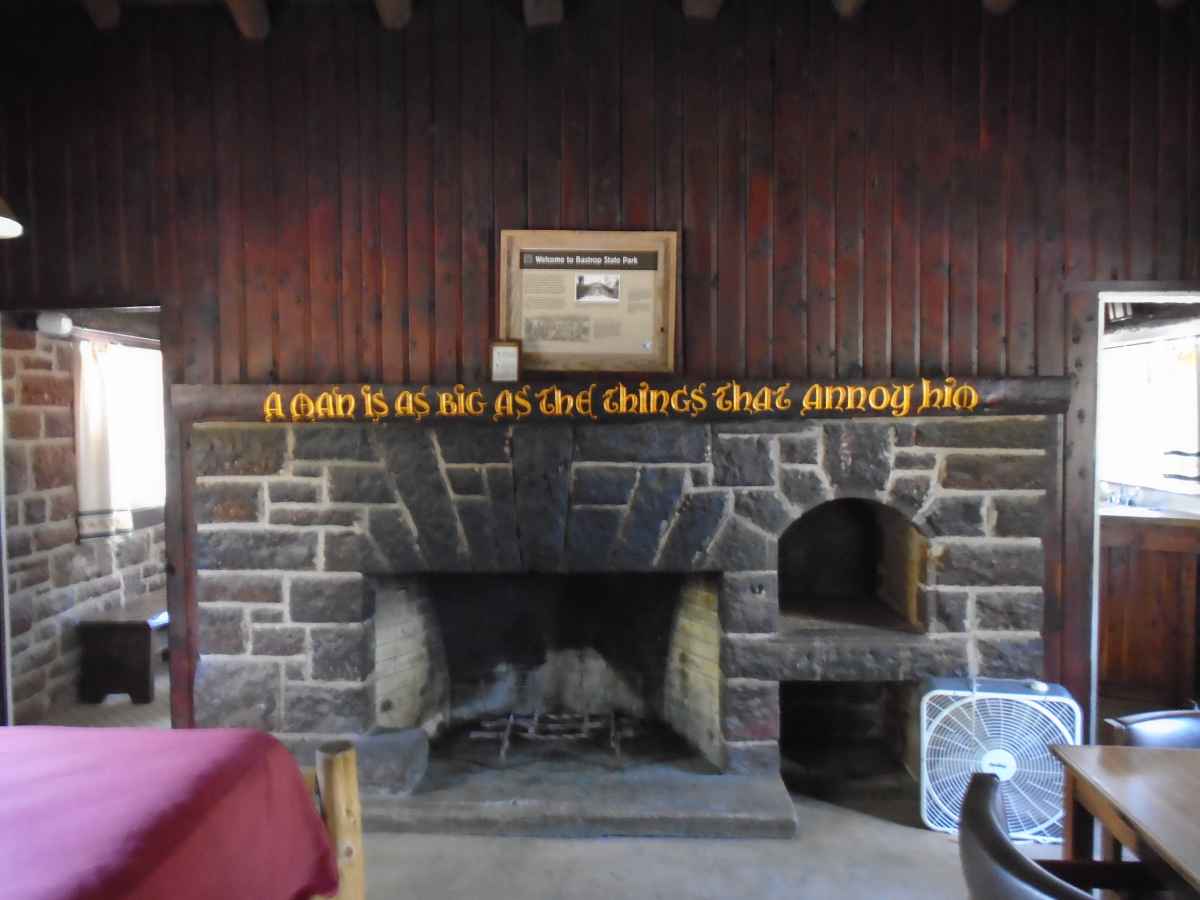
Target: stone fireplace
{"type": "Point", "coordinates": [357, 577]}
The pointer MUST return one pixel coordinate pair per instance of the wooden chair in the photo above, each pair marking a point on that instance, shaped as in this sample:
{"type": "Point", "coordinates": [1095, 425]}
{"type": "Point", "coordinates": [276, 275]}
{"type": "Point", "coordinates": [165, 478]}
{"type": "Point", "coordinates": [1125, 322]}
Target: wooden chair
{"type": "Point", "coordinates": [996, 870]}
{"type": "Point", "coordinates": [334, 786]}
{"type": "Point", "coordinates": [1171, 728]}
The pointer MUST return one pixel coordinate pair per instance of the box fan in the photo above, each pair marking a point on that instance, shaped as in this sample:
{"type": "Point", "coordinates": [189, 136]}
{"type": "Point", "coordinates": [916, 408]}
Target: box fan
{"type": "Point", "coordinates": [999, 726]}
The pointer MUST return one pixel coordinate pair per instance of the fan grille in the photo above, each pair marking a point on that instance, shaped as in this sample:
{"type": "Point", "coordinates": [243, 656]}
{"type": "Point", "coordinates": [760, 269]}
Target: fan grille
{"type": "Point", "coordinates": [961, 728]}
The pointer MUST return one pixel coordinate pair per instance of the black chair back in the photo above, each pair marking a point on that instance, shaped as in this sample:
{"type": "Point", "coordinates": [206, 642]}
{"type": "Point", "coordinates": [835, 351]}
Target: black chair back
{"type": "Point", "coordinates": [994, 868]}
{"type": "Point", "coordinates": [1171, 728]}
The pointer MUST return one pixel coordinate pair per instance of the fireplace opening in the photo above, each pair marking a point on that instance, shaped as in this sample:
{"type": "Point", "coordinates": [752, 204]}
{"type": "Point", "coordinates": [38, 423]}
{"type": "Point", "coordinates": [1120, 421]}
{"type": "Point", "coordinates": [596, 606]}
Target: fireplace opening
{"type": "Point", "coordinates": [852, 562]}
{"type": "Point", "coordinates": [505, 672]}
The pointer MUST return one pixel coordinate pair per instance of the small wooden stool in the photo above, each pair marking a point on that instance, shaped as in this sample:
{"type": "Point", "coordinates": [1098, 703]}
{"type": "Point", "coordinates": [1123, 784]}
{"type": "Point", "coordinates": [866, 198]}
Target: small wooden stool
{"type": "Point", "coordinates": [118, 650]}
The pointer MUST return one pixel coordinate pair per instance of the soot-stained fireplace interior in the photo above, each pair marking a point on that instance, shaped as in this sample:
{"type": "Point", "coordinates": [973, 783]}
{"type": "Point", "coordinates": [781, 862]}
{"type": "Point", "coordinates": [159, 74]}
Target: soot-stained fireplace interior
{"type": "Point", "coordinates": [501, 666]}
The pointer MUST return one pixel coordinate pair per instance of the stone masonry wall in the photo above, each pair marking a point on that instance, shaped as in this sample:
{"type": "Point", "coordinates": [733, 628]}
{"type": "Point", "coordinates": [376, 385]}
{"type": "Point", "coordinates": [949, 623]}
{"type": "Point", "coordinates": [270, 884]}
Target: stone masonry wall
{"type": "Point", "coordinates": [53, 578]}
{"type": "Point", "coordinates": [290, 519]}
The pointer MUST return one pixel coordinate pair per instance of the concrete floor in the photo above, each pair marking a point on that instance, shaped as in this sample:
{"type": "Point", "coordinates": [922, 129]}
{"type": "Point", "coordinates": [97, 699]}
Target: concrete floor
{"type": "Point", "coordinates": [838, 853]}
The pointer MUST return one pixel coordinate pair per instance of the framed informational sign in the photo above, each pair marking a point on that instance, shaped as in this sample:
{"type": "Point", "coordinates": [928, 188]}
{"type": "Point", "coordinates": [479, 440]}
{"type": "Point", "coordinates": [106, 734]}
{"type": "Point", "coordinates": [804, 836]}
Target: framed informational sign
{"type": "Point", "coordinates": [590, 301]}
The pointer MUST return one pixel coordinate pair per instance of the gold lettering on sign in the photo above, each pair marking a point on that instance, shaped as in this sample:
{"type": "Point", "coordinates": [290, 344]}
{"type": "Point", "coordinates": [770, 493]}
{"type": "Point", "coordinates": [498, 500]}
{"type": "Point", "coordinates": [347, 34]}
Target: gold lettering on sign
{"type": "Point", "coordinates": [951, 395]}
{"type": "Point", "coordinates": [728, 398]}
{"type": "Point", "coordinates": [273, 407]}
{"type": "Point", "coordinates": [412, 405]}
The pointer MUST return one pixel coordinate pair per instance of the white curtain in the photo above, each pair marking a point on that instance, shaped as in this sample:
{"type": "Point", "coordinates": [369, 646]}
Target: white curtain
{"type": "Point", "coordinates": [120, 463]}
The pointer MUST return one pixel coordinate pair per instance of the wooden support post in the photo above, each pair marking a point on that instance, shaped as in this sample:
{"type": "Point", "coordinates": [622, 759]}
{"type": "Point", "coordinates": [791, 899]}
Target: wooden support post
{"type": "Point", "coordinates": [251, 17]}
{"type": "Point", "coordinates": [543, 13]}
{"type": "Point", "coordinates": [337, 782]}
{"type": "Point", "coordinates": [394, 14]}
{"type": "Point", "coordinates": [106, 14]}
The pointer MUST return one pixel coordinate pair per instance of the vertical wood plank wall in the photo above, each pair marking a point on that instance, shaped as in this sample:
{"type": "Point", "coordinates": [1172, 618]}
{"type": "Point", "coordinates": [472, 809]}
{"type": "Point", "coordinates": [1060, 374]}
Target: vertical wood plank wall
{"type": "Point", "coordinates": [912, 191]}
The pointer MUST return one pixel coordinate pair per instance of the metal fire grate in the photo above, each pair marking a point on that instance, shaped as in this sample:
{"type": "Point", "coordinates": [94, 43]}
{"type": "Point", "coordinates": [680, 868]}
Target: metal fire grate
{"type": "Point", "coordinates": [557, 728]}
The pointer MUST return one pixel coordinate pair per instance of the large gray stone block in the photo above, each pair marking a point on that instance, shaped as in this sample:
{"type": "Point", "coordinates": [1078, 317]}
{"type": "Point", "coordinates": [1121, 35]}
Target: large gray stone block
{"type": "Point", "coordinates": [329, 598]}
{"type": "Point", "coordinates": [252, 549]}
{"type": "Point", "coordinates": [985, 563]}
{"type": "Point", "coordinates": [333, 442]}
{"type": "Point", "coordinates": [602, 485]}
{"type": "Point", "coordinates": [339, 653]}
{"type": "Point", "coordinates": [326, 710]}
{"type": "Point", "coordinates": [1001, 658]}
{"type": "Point", "coordinates": [238, 587]}
{"type": "Point", "coordinates": [245, 450]}
{"type": "Point", "coordinates": [237, 693]}
{"type": "Point", "coordinates": [743, 460]}
{"type": "Point", "coordinates": [858, 457]}
{"type": "Point", "coordinates": [231, 501]}
{"type": "Point", "coordinates": [699, 518]}
{"type": "Point", "coordinates": [995, 471]}
{"type": "Point", "coordinates": [999, 433]}
{"type": "Point", "coordinates": [643, 442]}
{"type": "Point", "coordinates": [749, 602]}
{"type": "Point", "coordinates": [541, 473]}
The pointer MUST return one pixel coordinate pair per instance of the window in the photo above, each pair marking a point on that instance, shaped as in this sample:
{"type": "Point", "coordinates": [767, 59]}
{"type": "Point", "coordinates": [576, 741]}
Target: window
{"type": "Point", "coordinates": [1149, 430]}
{"type": "Point", "coordinates": [119, 436]}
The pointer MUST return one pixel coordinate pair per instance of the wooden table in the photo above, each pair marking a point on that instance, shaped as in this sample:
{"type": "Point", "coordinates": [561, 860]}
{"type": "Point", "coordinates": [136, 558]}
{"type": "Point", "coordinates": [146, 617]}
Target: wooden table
{"type": "Point", "coordinates": [1146, 799]}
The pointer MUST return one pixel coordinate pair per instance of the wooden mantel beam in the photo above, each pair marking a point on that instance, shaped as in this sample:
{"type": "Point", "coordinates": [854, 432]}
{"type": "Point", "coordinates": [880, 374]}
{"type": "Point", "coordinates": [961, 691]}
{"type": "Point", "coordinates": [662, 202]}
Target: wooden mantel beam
{"type": "Point", "coordinates": [106, 14]}
{"type": "Point", "coordinates": [701, 10]}
{"type": "Point", "coordinates": [251, 17]}
{"type": "Point", "coordinates": [543, 13]}
{"type": "Point", "coordinates": [394, 14]}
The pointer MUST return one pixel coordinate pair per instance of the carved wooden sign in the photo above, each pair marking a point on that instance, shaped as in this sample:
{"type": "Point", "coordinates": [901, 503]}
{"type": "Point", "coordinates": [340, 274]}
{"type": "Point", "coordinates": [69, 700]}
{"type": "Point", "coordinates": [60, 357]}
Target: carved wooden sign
{"type": "Point", "coordinates": [618, 400]}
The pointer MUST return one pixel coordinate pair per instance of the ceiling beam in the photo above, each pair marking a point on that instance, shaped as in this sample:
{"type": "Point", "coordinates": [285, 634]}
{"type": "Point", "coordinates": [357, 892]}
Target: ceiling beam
{"type": "Point", "coordinates": [394, 14]}
{"type": "Point", "coordinates": [251, 18]}
{"type": "Point", "coordinates": [106, 14]}
{"type": "Point", "coordinates": [848, 9]}
{"type": "Point", "coordinates": [543, 13]}
{"type": "Point", "coordinates": [999, 7]}
{"type": "Point", "coordinates": [701, 10]}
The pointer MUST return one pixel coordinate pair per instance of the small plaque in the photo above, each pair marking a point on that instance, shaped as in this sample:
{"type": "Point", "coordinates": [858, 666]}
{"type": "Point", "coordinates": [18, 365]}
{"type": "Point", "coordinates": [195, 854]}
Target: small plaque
{"type": "Point", "coordinates": [506, 360]}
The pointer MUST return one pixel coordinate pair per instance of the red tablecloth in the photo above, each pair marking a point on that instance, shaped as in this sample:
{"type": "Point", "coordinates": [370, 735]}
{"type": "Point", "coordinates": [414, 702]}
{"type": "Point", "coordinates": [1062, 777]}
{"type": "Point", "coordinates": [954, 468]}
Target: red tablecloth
{"type": "Point", "coordinates": [168, 815]}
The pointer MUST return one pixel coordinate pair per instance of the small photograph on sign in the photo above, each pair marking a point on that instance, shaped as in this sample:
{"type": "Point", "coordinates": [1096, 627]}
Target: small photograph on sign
{"type": "Point", "coordinates": [571, 329]}
{"type": "Point", "coordinates": [598, 287]}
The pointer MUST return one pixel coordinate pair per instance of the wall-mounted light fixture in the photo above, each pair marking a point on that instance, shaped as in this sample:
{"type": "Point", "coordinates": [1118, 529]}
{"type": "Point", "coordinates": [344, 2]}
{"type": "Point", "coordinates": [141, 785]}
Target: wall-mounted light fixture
{"type": "Point", "coordinates": [9, 226]}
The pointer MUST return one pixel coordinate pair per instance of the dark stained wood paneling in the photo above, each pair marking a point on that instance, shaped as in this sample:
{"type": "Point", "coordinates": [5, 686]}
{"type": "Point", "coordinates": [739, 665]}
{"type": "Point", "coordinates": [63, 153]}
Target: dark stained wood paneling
{"type": "Point", "coordinates": [324, 206]}
{"type": "Point", "coordinates": [907, 191]}
{"type": "Point", "coordinates": [760, 136]}
{"type": "Point", "coordinates": [731, 193]}
{"type": "Point", "coordinates": [699, 252]}
{"type": "Point", "coordinates": [790, 321]}
{"type": "Point", "coordinates": [1020, 312]}
{"type": "Point", "coordinates": [477, 224]}
{"type": "Point", "coordinates": [287, 47]}
{"type": "Point", "coordinates": [447, 191]}
{"type": "Point", "coordinates": [417, 226]}
{"type": "Point", "coordinates": [820, 174]}
{"type": "Point", "coordinates": [1148, 606]}
{"type": "Point", "coordinates": [936, 128]}
{"type": "Point", "coordinates": [849, 211]}
{"type": "Point", "coordinates": [964, 186]}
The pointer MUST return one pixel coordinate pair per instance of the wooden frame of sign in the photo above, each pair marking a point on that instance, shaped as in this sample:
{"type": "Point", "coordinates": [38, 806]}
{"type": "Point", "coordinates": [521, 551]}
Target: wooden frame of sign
{"type": "Point", "coordinates": [590, 301]}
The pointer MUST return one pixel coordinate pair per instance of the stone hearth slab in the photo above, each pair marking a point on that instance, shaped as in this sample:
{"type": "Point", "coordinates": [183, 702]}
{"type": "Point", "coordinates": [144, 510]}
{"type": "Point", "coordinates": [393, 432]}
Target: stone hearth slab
{"type": "Point", "coordinates": [649, 802]}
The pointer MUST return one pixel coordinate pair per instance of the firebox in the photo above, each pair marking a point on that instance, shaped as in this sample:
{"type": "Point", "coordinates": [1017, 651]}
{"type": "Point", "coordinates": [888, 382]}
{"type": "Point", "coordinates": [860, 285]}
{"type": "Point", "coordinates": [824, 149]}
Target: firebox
{"type": "Point", "coordinates": [550, 659]}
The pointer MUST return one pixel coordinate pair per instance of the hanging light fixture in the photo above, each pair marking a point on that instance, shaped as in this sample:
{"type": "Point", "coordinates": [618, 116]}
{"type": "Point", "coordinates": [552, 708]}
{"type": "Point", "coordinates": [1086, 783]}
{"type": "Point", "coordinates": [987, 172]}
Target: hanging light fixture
{"type": "Point", "coordinates": [9, 226]}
